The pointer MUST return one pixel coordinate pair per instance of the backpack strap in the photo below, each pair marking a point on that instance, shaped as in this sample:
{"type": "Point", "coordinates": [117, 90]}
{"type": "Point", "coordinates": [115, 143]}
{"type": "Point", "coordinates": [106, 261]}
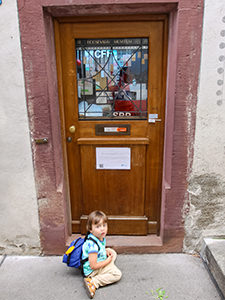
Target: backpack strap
{"type": "Point", "coordinates": [91, 239]}
{"type": "Point", "coordinates": [83, 261]}
{"type": "Point", "coordinates": [87, 234]}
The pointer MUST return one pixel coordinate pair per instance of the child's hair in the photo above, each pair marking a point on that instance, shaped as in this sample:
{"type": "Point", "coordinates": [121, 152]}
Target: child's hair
{"type": "Point", "coordinates": [95, 217]}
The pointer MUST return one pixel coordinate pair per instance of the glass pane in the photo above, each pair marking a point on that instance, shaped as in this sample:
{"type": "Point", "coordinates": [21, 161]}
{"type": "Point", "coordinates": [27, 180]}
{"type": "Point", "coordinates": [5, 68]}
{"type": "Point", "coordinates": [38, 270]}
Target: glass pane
{"type": "Point", "coordinates": [112, 78]}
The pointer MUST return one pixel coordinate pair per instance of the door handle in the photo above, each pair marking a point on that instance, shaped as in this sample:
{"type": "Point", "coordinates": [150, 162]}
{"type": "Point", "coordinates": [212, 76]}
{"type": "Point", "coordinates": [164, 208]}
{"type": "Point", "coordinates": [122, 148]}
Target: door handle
{"type": "Point", "coordinates": [72, 129]}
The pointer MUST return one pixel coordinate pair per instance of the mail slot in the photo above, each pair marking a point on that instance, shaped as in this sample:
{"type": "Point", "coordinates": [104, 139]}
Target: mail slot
{"type": "Point", "coordinates": [112, 129]}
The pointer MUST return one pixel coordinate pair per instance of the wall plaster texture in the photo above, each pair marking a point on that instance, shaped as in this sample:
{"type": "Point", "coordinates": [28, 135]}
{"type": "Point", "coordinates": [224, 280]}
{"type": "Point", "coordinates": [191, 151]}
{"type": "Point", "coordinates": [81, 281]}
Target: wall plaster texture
{"type": "Point", "coordinates": [205, 210]}
{"type": "Point", "coordinates": [19, 222]}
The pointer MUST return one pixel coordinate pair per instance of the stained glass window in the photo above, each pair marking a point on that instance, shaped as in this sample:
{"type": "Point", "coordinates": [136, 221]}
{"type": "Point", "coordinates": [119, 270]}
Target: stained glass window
{"type": "Point", "coordinates": [112, 78]}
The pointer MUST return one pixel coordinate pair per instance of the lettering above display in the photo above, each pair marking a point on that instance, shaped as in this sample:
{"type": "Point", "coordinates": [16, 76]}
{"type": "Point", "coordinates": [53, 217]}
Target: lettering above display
{"type": "Point", "coordinates": [111, 42]}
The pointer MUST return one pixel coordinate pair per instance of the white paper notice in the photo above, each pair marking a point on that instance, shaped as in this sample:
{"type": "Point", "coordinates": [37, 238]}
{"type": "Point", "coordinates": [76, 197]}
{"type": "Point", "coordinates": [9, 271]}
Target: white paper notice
{"type": "Point", "coordinates": [113, 158]}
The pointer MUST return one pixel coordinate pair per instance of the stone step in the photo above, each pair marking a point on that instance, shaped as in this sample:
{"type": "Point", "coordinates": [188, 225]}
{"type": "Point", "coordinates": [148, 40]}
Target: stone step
{"type": "Point", "coordinates": [213, 255]}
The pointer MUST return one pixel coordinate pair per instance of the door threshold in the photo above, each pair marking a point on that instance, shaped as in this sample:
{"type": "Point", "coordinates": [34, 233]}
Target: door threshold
{"type": "Point", "coordinates": [124, 244]}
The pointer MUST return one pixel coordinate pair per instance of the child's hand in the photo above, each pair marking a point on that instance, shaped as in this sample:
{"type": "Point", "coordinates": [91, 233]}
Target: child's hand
{"type": "Point", "coordinates": [109, 258]}
{"type": "Point", "coordinates": [109, 253]}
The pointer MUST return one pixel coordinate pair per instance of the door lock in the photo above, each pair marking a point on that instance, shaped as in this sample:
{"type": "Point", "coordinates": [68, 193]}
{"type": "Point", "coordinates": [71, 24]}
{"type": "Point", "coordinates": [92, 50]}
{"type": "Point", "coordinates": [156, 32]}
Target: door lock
{"type": "Point", "coordinates": [72, 129]}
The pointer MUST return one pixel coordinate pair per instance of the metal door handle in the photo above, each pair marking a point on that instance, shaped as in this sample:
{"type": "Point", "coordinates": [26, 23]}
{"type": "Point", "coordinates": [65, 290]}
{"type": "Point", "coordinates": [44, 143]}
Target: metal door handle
{"type": "Point", "coordinates": [72, 129]}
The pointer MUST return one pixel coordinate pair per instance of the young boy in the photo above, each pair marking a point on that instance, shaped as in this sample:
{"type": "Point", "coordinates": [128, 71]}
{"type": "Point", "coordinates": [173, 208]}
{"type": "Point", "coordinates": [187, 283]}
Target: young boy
{"type": "Point", "coordinates": [100, 269]}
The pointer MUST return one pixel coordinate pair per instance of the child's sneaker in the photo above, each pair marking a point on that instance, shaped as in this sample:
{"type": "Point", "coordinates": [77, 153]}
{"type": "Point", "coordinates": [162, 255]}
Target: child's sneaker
{"type": "Point", "coordinates": [90, 287]}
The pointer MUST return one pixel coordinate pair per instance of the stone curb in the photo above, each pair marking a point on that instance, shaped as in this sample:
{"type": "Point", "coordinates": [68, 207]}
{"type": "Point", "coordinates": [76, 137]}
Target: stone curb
{"type": "Point", "coordinates": [213, 255]}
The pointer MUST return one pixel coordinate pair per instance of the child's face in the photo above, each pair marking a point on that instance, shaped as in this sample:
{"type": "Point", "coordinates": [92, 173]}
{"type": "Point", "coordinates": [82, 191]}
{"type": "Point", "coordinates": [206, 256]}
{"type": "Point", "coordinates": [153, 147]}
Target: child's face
{"type": "Point", "coordinates": [99, 230]}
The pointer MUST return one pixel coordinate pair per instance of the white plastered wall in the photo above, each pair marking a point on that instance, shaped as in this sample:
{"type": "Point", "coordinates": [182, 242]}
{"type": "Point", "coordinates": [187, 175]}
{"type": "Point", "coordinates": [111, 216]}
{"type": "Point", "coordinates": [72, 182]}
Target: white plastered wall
{"type": "Point", "coordinates": [206, 203]}
{"type": "Point", "coordinates": [210, 130]}
{"type": "Point", "coordinates": [19, 224]}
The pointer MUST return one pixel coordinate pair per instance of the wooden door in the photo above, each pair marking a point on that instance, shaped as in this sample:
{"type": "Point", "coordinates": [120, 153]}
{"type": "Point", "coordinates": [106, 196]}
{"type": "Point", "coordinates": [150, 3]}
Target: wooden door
{"type": "Point", "coordinates": [112, 91]}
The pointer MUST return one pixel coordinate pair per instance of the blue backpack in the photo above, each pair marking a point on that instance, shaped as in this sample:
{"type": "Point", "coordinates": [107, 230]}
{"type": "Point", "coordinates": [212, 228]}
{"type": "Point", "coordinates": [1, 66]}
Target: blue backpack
{"type": "Point", "coordinates": [73, 255]}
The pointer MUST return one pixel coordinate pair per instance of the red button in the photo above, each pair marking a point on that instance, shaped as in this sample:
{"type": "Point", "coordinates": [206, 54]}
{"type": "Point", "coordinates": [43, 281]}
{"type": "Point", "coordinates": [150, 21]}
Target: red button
{"type": "Point", "coordinates": [122, 129]}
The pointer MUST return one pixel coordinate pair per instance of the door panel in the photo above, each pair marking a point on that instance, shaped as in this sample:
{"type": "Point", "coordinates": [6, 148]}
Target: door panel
{"type": "Point", "coordinates": [93, 103]}
{"type": "Point", "coordinates": [114, 189]}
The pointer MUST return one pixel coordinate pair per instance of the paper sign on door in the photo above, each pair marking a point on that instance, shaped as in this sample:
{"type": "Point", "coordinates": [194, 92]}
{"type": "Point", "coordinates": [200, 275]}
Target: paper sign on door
{"type": "Point", "coordinates": [108, 158]}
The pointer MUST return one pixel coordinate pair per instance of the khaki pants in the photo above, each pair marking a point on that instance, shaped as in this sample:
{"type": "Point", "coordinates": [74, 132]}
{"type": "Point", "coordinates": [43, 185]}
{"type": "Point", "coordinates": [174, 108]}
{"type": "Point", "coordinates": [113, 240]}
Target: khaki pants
{"type": "Point", "coordinates": [107, 275]}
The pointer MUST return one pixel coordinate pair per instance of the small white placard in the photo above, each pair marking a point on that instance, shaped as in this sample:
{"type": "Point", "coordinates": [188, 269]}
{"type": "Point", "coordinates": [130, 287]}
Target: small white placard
{"type": "Point", "coordinates": [108, 158]}
{"type": "Point", "coordinates": [153, 116]}
{"type": "Point", "coordinates": [110, 129]}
